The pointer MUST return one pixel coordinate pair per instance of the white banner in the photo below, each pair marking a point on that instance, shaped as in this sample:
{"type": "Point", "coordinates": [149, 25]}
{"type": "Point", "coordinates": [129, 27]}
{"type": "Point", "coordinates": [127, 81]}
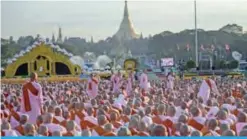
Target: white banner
{"type": "Point", "coordinates": [167, 62]}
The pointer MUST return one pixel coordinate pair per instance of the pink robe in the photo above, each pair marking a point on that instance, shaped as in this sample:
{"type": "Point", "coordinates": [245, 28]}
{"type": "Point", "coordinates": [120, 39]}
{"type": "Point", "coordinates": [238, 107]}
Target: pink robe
{"type": "Point", "coordinates": [32, 100]}
{"type": "Point", "coordinates": [129, 84]}
{"type": "Point", "coordinates": [170, 84]}
{"type": "Point", "coordinates": [116, 83]}
{"type": "Point", "coordinates": [144, 81]}
{"type": "Point", "coordinates": [92, 88]}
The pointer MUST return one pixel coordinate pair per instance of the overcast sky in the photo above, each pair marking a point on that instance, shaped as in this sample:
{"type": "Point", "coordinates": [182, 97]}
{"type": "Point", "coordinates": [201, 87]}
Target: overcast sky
{"type": "Point", "coordinates": [101, 18]}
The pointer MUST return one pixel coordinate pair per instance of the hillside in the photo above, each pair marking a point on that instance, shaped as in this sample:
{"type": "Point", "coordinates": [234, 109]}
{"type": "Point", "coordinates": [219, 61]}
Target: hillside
{"type": "Point", "coordinates": [163, 44]}
{"type": "Point", "coordinates": [167, 45]}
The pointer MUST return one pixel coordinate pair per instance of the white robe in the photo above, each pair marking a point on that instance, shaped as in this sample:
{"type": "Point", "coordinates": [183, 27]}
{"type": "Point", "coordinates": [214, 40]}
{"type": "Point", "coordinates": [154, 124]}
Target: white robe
{"type": "Point", "coordinates": [144, 81]}
{"type": "Point", "coordinates": [116, 83]}
{"type": "Point", "coordinates": [170, 84]}
{"type": "Point", "coordinates": [130, 84]}
{"type": "Point", "coordinates": [205, 90]}
{"type": "Point", "coordinates": [35, 102]}
{"type": "Point", "coordinates": [11, 133]}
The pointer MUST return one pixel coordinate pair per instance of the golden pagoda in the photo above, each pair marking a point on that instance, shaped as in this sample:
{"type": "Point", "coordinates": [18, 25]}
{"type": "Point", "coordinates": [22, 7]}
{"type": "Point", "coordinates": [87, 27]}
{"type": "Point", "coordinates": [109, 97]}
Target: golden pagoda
{"type": "Point", "coordinates": [126, 30]}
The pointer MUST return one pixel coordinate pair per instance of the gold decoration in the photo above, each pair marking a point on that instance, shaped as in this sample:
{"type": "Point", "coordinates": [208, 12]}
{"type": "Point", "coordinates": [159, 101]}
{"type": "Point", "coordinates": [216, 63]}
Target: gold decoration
{"type": "Point", "coordinates": [41, 59]}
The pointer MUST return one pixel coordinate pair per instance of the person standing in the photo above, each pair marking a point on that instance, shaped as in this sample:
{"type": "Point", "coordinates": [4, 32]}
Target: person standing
{"type": "Point", "coordinates": [117, 82]}
{"type": "Point", "coordinates": [92, 86]}
{"type": "Point", "coordinates": [130, 82]}
{"type": "Point", "coordinates": [170, 83]}
{"type": "Point", "coordinates": [144, 81]}
{"type": "Point", "coordinates": [32, 99]}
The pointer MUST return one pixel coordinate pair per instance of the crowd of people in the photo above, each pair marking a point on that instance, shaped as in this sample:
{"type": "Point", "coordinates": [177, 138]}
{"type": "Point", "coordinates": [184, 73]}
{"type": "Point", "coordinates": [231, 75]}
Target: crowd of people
{"type": "Point", "coordinates": [125, 107]}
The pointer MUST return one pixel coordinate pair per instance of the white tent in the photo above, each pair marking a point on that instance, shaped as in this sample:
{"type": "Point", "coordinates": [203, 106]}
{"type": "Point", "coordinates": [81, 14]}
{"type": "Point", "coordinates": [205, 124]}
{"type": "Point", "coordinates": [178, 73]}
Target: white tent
{"type": "Point", "coordinates": [118, 67]}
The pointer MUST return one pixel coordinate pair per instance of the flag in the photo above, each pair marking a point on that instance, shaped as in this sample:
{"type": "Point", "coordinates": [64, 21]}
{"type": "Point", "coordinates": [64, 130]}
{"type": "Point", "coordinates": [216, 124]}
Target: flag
{"type": "Point", "coordinates": [202, 47]}
{"type": "Point", "coordinates": [187, 47]}
{"type": "Point", "coordinates": [227, 47]}
{"type": "Point", "coordinates": [178, 47]}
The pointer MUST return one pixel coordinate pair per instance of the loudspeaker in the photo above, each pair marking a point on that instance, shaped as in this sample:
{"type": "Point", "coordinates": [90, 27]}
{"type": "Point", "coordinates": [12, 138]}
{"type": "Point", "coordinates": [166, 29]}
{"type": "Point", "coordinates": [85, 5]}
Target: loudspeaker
{"type": "Point", "coordinates": [197, 68]}
{"type": "Point", "coordinates": [213, 68]}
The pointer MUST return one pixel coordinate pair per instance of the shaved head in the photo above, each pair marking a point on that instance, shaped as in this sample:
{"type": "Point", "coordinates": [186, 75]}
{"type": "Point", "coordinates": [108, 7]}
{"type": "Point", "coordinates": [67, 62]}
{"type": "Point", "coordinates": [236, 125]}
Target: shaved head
{"type": "Point", "coordinates": [34, 76]}
{"type": "Point", "coordinates": [228, 133]}
{"type": "Point", "coordinates": [243, 133]}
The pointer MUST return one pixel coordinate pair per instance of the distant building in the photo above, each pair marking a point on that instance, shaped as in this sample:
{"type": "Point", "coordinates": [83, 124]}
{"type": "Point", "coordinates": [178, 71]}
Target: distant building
{"type": "Point", "coordinates": [59, 38]}
{"type": "Point", "coordinates": [53, 38]}
{"type": "Point", "coordinates": [232, 28]}
{"type": "Point", "coordinates": [126, 30]}
{"type": "Point", "coordinates": [76, 40]}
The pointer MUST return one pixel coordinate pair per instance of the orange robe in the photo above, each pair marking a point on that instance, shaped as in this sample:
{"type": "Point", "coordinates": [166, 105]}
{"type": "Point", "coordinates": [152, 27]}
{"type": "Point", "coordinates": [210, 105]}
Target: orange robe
{"type": "Point", "coordinates": [64, 123]}
{"type": "Point", "coordinates": [87, 124]}
{"type": "Point", "coordinates": [15, 115]}
{"type": "Point", "coordinates": [235, 112]}
{"type": "Point", "coordinates": [134, 132]}
{"type": "Point", "coordinates": [142, 133]}
{"type": "Point", "coordinates": [125, 118]}
{"type": "Point", "coordinates": [168, 123]}
{"type": "Point", "coordinates": [67, 134]}
{"type": "Point", "coordinates": [56, 121]}
{"type": "Point", "coordinates": [33, 90]}
{"type": "Point", "coordinates": [195, 124]}
{"type": "Point", "coordinates": [116, 124]}
{"type": "Point", "coordinates": [100, 131]}
{"type": "Point", "coordinates": [2, 133]}
{"type": "Point", "coordinates": [109, 134]}
{"type": "Point", "coordinates": [157, 120]}
{"type": "Point", "coordinates": [236, 93]}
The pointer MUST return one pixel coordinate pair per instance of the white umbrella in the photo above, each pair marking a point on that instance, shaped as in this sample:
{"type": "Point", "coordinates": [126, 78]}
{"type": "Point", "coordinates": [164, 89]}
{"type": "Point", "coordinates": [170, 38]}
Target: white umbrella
{"type": "Point", "coordinates": [14, 59]}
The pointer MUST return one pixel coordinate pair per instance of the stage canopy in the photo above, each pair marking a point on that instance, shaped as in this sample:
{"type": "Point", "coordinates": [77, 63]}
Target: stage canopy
{"type": "Point", "coordinates": [46, 59]}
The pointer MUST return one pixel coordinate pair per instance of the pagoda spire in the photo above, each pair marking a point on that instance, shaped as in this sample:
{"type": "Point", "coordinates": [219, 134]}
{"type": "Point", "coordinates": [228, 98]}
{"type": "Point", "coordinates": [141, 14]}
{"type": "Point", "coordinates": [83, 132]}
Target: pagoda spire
{"type": "Point", "coordinates": [126, 29]}
{"type": "Point", "coordinates": [53, 38]}
{"type": "Point", "coordinates": [59, 39]}
{"type": "Point", "coordinates": [126, 12]}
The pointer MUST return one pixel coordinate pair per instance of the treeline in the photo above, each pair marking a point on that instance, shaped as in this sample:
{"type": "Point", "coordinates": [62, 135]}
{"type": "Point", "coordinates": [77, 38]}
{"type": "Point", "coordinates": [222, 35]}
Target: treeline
{"type": "Point", "coordinates": [165, 44]}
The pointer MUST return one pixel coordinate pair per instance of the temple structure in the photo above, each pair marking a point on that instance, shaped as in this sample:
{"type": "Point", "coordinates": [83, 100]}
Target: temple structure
{"type": "Point", "coordinates": [44, 59]}
{"type": "Point", "coordinates": [126, 30]}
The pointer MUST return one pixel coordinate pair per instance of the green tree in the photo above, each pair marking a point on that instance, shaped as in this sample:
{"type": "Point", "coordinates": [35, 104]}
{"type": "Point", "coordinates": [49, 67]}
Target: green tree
{"type": "Point", "coordinates": [222, 64]}
{"type": "Point", "coordinates": [233, 64]}
{"type": "Point", "coordinates": [190, 64]}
